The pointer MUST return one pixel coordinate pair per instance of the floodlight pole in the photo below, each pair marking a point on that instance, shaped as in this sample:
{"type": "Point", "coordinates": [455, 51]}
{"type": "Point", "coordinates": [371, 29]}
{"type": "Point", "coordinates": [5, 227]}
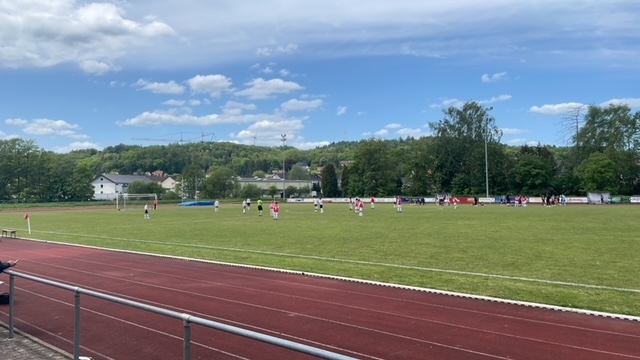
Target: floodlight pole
{"type": "Point", "coordinates": [284, 140]}
{"type": "Point", "coordinates": [486, 155]}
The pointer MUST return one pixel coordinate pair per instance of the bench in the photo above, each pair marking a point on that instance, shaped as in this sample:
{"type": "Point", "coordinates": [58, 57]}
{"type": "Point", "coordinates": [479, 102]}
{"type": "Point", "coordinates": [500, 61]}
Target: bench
{"type": "Point", "coordinates": [9, 233]}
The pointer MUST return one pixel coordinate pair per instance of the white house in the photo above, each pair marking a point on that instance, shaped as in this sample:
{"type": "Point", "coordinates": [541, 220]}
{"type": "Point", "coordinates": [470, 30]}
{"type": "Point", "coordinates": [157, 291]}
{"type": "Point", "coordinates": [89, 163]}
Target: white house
{"type": "Point", "coordinates": [167, 182]}
{"type": "Point", "coordinates": [108, 186]}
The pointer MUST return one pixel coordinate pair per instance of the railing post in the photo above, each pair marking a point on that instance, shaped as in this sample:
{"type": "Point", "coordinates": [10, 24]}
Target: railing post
{"type": "Point", "coordinates": [186, 346]}
{"type": "Point", "coordinates": [12, 291]}
{"type": "Point", "coordinates": [76, 339]}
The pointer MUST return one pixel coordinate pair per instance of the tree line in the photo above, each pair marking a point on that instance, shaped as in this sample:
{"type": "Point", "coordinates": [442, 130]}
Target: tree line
{"type": "Point", "coordinates": [463, 156]}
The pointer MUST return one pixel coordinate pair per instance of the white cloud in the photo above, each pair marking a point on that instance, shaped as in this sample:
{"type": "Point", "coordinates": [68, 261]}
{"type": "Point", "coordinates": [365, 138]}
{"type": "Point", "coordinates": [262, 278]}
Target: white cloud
{"type": "Point", "coordinates": [76, 146]}
{"type": "Point", "coordinates": [4, 136]}
{"type": "Point", "coordinates": [44, 33]}
{"type": "Point", "coordinates": [486, 78]}
{"type": "Point", "coordinates": [97, 67]}
{"type": "Point", "coordinates": [496, 99]}
{"type": "Point", "coordinates": [48, 127]}
{"type": "Point", "coordinates": [569, 107]}
{"type": "Point", "coordinates": [381, 133]}
{"type": "Point", "coordinates": [447, 103]}
{"type": "Point", "coordinates": [284, 72]}
{"type": "Point", "coordinates": [195, 102]}
{"type": "Point", "coordinates": [170, 87]}
{"type": "Point", "coordinates": [405, 132]}
{"type": "Point", "coordinates": [521, 141]}
{"type": "Point", "coordinates": [187, 33]}
{"type": "Point", "coordinates": [556, 109]}
{"type": "Point", "coordinates": [301, 105]}
{"type": "Point", "coordinates": [393, 126]}
{"type": "Point", "coordinates": [174, 102]}
{"type": "Point", "coordinates": [237, 108]}
{"type": "Point", "coordinates": [268, 51]}
{"type": "Point", "coordinates": [341, 110]}
{"type": "Point", "coordinates": [263, 89]}
{"type": "Point", "coordinates": [631, 102]}
{"type": "Point", "coordinates": [233, 113]}
{"type": "Point", "coordinates": [16, 122]}
{"type": "Point", "coordinates": [210, 84]}
{"type": "Point", "coordinates": [269, 132]}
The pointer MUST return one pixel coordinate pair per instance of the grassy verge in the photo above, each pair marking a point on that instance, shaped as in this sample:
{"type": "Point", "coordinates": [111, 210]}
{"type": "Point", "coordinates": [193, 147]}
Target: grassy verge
{"type": "Point", "coordinates": [577, 256]}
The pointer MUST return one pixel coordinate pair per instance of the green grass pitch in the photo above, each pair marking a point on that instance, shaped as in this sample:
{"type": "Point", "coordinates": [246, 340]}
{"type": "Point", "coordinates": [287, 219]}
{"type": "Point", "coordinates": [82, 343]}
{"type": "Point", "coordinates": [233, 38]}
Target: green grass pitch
{"type": "Point", "coordinates": [577, 256]}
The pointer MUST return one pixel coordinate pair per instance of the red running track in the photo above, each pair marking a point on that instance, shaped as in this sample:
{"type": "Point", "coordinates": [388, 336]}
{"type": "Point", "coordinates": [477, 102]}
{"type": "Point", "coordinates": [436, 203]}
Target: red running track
{"type": "Point", "coordinates": [357, 319]}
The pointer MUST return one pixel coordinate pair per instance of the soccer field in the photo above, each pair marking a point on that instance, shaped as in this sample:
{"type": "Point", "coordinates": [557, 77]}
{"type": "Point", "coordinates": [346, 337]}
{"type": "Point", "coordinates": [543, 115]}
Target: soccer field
{"type": "Point", "coordinates": [577, 256]}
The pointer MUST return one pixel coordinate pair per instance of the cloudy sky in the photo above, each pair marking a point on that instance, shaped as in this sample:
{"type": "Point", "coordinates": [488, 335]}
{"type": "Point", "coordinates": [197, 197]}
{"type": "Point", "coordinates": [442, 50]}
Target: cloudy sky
{"type": "Point", "coordinates": [80, 74]}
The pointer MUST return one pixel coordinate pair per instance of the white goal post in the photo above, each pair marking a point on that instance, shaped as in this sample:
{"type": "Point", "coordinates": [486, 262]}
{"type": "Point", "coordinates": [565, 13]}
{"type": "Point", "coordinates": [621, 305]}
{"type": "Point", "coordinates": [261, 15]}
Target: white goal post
{"type": "Point", "coordinates": [135, 201]}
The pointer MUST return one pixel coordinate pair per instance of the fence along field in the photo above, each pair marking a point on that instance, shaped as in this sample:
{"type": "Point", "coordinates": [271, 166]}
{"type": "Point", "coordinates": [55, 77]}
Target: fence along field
{"type": "Point", "coordinates": [580, 256]}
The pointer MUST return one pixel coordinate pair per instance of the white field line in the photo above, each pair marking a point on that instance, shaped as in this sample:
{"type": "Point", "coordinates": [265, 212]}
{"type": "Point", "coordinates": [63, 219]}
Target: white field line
{"type": "Point", "coordinates": [415, 288]}
{"type": "Point", "coordinates": [361, 262]}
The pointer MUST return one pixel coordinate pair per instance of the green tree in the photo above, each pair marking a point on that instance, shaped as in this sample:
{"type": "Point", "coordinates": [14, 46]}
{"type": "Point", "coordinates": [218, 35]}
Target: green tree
{"type": "Point", "coordinates": [419, 171]}
{"type": "Point", "coordinates": [80, 188]}
{"type": "Point", "coordinates": [459, 147]}
{"type": "Point", "coordinates": [615, 132]}
{"type": "Point", "coordinates": [250, 191]}
{"type": "Point", "coordinates": [192, 181]}
{"type": "Point", "coordinates": [304, 191]}
{"type": "Point", "coordinates": [372, 173]}
{"type": "Point", "coordinates": [329, 181]}
{"type": "Point", "coordinates": [221, 184]}
{"type": "Point", "coordinates": [273, 191]}
{"type": "Point", "coordinates": [345, 181]}
{"type": "Point", "coordinates": [259, 174]}
{"type": "Point", "coordinates": [292, 191]}
{"type": "Point", "coordinates": [597, 173]}
{"type": "Point", "coordinates": [297, 172]}
{"type": "Point", "coordinates": [532, 174]}
{"type": "Point", "coordinates": [141, 187]}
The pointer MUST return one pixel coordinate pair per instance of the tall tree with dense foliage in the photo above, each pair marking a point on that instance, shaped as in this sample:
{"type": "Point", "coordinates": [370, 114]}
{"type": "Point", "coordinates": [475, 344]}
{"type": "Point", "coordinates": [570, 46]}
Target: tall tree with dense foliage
{"type": "Point", "coordinates": [329, 181]}
{"type": "Point", "coordinates": [459, 149]}
{"type": "Point", "coordinates": [220, 184]}
{"type": "Point", "coordinates": [613, 131]}
{"type": "Point", "coordinates": [345, 181]}
{"type": "Point", "coordinates": [373, 171]}
{"type": "Point", "coordinates": [597, 173]}
{"type": "Point", "coordinates": [533, 171]}
{"type": "Point", "coordinates": [297, 172]}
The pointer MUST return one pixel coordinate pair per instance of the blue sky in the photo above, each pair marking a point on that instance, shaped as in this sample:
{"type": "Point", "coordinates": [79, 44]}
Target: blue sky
{"type": "Point", "coordinates": [79, 74]}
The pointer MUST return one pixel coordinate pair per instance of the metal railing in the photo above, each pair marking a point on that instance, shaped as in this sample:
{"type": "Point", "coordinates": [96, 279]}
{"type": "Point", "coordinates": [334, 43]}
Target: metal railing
{"type": "Point", "coordinates": [187, 320]}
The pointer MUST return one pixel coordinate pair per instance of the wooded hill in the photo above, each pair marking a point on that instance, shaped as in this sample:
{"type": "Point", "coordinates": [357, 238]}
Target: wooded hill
{"type": "Point", "coordinates": [603, 156]}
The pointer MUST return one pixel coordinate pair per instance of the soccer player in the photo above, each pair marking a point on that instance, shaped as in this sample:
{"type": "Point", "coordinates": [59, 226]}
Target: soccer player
{"type": "Point", "coordinates": [315, 204]}
{"type": "Point", "coordinates": [271, 207]}
{"type": "Point", "coordinates": [350, 204]}
{"type": "Point", "coordinates": [373, 202]}
{"type": "Point", "coordinates": [217, 205]}
{"type": "Point", "coordinates": [155, 204]}
{"type": "Point", "coordinates": [248, 204]}
{"type": "Point", "coordinates": [454, 201]}
{"type": "Point", "coordinates": [399, 204]}
{"type": "Point", "coordinates": [146, 211]}
{"type": "Point", "coordinates": [276, 210]}
{"type": "Point", "coordinates": [259, 207]}
{"type": "Point", "coordinates": [321, 205]}
{"type": "Point", "coordinates": [360, 208]}
{"type": "Point", "coordinates": [244, 206]}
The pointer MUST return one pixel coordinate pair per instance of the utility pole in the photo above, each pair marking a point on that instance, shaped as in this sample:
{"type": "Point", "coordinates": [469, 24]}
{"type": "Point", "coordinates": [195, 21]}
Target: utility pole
{"type": "Point", "coordinates": [284, 140]}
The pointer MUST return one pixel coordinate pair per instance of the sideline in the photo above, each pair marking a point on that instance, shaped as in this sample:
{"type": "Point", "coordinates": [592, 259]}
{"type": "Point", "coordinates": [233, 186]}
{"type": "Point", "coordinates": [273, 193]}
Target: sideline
{"type": "Point", "coordinates": [370, 282]}
{"type": "Point", "coordinates": [360, 262]}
